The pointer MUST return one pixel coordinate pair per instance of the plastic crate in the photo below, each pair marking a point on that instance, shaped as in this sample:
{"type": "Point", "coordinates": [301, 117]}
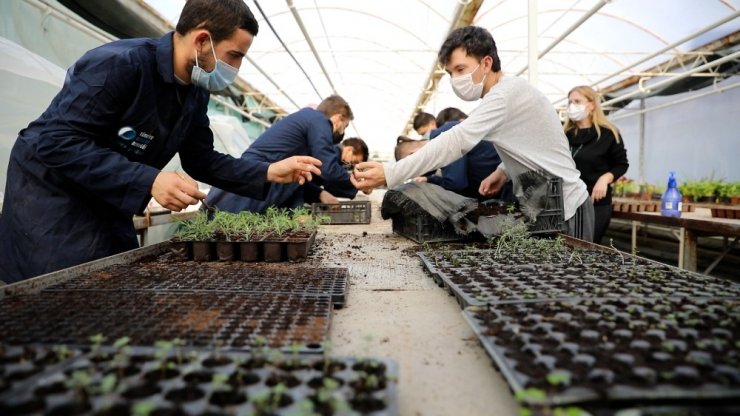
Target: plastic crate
{"type": "Point", "coordinates": [423, 228]}
{"type": "Point", "coordinates": [350, 212]}
{"type": "Point", "coordinates": [551, 220]}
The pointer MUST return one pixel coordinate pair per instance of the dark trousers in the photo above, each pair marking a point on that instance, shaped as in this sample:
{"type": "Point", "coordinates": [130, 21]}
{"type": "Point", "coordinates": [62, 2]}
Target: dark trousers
{"type": "Point", "coordinates": [581, 225]}
{"type": "Point", "coordinates": [602, 217]}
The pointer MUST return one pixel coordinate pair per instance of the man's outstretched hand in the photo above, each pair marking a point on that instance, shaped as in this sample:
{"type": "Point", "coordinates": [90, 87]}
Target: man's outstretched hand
{"type": "Point", "coordinates": [294, 169]}
{"type": "Point", "coordinates": [368, 176]}
{"type": "Point", "coordinates": [175, 191]}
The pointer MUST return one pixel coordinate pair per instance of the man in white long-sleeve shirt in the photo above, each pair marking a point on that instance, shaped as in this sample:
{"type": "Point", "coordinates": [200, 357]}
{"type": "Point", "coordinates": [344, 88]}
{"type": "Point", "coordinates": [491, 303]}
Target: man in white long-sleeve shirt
{"type": "Point", "coordinates": [513, 115]}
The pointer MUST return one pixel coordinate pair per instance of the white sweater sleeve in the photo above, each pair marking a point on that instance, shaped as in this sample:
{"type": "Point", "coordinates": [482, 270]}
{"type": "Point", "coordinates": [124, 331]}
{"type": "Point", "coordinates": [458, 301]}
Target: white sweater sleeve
{"type": "Point", "coordinates": [451, 144]}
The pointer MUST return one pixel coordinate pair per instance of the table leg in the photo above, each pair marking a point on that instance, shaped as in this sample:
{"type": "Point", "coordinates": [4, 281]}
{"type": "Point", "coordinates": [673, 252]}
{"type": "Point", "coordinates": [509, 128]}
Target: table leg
{"type": "Point", "coordinates": [634, 238]}
{"type": "Point", "coordinates": [687, 250]}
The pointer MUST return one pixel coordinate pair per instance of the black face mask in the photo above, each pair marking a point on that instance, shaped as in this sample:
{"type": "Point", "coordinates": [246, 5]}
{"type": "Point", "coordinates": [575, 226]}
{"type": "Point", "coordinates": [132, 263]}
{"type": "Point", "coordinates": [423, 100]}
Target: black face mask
{"type": "Point", "coordinates": [336, 137]}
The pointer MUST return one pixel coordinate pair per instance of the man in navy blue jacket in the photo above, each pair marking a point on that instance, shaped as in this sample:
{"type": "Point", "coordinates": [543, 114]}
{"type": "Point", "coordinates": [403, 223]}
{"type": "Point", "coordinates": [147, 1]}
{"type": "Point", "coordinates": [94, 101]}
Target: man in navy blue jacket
{"type": "Point", "coordinates": [307, 131]}
{"type": "Point", "coordinates": [93, 159]}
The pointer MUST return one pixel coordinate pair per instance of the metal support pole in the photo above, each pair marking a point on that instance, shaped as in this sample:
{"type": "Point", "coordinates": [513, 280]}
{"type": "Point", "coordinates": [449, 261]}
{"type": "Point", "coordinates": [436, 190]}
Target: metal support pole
{"type": "Point", "coordinates": [532, 47]}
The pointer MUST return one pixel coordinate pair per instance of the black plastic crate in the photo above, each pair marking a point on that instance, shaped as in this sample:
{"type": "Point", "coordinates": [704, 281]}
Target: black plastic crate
{"type": "Point", "coordinates": [423, 228]}
{"type": "Point", "coordinates": [349, 212]}
{"type": "Point", "coordinates": [552, 219]}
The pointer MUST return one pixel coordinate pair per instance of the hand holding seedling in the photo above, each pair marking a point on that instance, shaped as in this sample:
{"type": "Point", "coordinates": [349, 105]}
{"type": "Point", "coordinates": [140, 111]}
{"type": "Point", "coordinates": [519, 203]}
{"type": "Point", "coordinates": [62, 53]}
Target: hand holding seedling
{"type": "Point", "coordinates": [175, 191]}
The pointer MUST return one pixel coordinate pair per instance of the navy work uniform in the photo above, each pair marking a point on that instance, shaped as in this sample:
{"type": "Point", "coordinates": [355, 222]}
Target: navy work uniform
{"type": "Point", "coordinates": [79, 173]}
{"type": "Point", "coordinates": [306, 131]}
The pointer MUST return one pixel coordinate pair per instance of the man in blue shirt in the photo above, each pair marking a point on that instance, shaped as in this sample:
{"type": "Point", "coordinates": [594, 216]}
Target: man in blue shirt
{"type": "Point", "coordinates": [307, 131]}
{"type": "Point", "coordinates": [93, 159]}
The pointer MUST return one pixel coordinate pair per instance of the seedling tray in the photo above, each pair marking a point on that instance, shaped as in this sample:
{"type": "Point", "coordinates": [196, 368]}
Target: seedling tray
{"type": "Point", "coordinates": [268, 249]}
{"type": "Point", "coordinates": [162, 274]}
{"type": "Point", "coordinates": [476, 278]}
{"type": "Point", "coordinates": [233, 320]}
{"type": "Point", "coordinates": [622, 350]}
{"type": "Point", "coordinates": [207, 382]}
{"type": "Point", "coordinates": [20, 363]}
{"type": "Point", "coordinates": [349, 212]}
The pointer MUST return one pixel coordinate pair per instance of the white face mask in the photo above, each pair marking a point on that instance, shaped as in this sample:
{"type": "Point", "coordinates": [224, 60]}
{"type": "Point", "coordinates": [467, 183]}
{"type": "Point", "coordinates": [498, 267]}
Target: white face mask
{"type": "Point", "coordinates": [465, 88]}
{"type": "Point", "coordinates": [221, 77]}
{"type": "Point", "coordinates": [577, 112]}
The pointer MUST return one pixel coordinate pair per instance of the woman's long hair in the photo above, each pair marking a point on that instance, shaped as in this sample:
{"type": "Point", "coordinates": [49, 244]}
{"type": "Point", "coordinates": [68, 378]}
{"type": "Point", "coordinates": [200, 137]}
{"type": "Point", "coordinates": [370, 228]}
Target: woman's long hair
{"type": "Point", "coordinates": [598, 118]}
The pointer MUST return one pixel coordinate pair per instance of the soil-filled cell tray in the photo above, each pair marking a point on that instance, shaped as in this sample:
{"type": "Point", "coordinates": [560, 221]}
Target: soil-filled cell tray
{"type": "Point", "coordinates": [232, 320]}
{"type": "Point", "coordinates": [20, 363]}
{"type": "Point", "coordinates": [628, 349]}
{"type": "Point", "coordinates": [476, 279]}
{"type": "Point", "coordinates": [208, 382]}
{"type": "Point", "coordinates": [162, 274]}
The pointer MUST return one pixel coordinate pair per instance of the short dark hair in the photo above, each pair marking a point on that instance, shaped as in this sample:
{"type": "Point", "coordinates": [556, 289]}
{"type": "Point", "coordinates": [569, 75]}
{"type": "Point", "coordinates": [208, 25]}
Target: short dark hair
{"type": "Point", "coordinates": [335, 104]}
{"type": "Point", "coordinates": [404, 145]}
{"type": "Point", "coordinates": [358, 147]}
{"type": "Point", "coordinates": [219, 17]}
{"type": "Point", "coordinates": [422, 119]}
{"type": "Point", "coordinates": [475, 40]}
{"type": "Point", "coordinates": [450, 114]}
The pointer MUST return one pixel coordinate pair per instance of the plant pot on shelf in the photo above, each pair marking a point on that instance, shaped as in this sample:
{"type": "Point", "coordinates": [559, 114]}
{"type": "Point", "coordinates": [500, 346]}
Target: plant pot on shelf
{"type": "Point", "coordinates": [274, 248]}
{"type": "Point", "coordinates": [298, 246]}
{"type": "Point", "coordinates": [180, 249]}
{"type": "Point", "coordinates": [225, 251]}
{"type": "Point", "coordinates": [735, 200]}
{"type": "Point", "coordinates": [250, 250]}
{"type": "Point", "coordinates": [202, 251]}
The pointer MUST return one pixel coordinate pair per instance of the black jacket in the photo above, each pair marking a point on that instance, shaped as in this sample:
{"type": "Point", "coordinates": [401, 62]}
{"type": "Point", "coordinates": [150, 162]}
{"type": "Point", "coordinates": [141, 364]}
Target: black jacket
{"type": "Point", "coordinates": [594, 157]}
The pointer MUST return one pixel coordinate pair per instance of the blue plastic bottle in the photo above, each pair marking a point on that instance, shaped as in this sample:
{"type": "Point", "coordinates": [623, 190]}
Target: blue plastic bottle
{"type": "Point", "coordinates": [670, 203]}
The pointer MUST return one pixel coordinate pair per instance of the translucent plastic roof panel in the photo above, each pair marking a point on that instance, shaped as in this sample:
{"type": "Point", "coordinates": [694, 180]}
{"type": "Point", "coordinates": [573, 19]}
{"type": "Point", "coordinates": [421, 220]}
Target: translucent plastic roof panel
{"type": "Point", "coordinates": [379, 54]}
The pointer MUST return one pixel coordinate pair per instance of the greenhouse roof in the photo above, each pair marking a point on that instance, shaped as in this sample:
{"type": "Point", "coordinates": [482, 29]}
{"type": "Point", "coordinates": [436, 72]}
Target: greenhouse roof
{"type": "Point", "coordinates": [381, 55]}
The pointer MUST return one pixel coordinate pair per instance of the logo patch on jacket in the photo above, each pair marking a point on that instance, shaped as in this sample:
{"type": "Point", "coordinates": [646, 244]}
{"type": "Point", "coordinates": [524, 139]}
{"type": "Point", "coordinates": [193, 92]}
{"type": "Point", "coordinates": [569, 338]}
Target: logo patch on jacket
{"type": "Point", "coordinates": [133, 141]}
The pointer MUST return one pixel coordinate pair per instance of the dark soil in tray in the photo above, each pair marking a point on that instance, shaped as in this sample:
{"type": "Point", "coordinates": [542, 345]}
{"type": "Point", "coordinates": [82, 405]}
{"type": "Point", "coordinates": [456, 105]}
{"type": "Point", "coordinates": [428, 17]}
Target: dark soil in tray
{"type": "Point", "coordinates": [478, 277]}
{"type": "Point", "coordinates": [197, 386]}
{"type": "Point", "coordinates": [232, 320]}
{"type": "Point", "coordinates": [616, 349]}
{"type": "Point", "coordinates": [163, 274]}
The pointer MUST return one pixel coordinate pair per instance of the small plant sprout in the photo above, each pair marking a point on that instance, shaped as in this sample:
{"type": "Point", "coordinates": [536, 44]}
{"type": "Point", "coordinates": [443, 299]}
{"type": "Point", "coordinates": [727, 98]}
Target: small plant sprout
{"type": "Point", "coordinates": [277, 393]}
{"type": "Point", "coordinates": [559, 378]}
{"type": "Point", "coordinates": [143, 408]}
{"type": "Point", "coordinates": [219, 382]}
{"type": "Point", "coordinates": [81, 383]}
{"type": "Point", "coordinates": [162, 353]}
{"type": "Point", "coordinates": [107, 384]}
{"type": "Point", "coordinates": [295, 350]}
{"type": "Point", "coordinates": [178, 344]}
{"type": "Point", "coordinates": [327, 355]}
{"type": "Point", "coordinates": [62, 351]}
{"type": "Point", "coordinates": [329, 394]}
{"type": "Point", "coordinates": [569, 411]}
{"type": "Point", "coordinates": [97, 343]}
{"type": "Point", "coordinates": [530, 394]}
{"type": "Point", "coordinates": [611, 244]}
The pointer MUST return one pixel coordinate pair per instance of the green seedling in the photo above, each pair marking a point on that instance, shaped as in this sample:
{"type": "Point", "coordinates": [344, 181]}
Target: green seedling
{"type": "Point", "coordinates": [62, 351]}
{"type": "Point", "coordinates": [558, 378]}
{"type": "Point", "coordinates": [530, 394]}
{"type": "Point", "coordinates": [277, 393]}
{"type": "Point", "coordinates": [81, 383]}
{"type": "Point", "coordinates": [143, 408]}
{"type": "Point", "coordinates": [220, 382]}
{"type": "Point", "coordinates": [97, 343]}
{"type": "Point", "coordinates": [107, 384]}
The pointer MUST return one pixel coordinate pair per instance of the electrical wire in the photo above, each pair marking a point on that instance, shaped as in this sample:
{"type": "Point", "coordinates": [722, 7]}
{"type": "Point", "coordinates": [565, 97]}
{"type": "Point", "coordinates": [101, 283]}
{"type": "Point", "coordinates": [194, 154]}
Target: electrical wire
{"type": "Point", "coordinates": [286, 48]}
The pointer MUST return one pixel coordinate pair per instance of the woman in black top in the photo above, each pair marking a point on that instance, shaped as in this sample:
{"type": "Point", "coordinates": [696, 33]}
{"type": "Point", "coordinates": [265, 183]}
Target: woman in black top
{"type": "Point", "coordinates": [598, 151]}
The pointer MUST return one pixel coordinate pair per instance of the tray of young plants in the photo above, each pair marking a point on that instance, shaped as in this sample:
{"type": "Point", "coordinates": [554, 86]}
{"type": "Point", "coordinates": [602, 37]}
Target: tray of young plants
{"type": "Point", "coordinates": [171, 379]}
{"type": "Point", "coordinates": [18, 363]}
{"type": "Point", "coordinates": [558, 352]}
{"type": "Point", "coordinates": [201, 319]}
{"type": "Point", "coordinates": [163, 274]}
{"type": "Point", "coordinates": [278, 235]}
{"type": "Point", "coordinates": [478, 277]}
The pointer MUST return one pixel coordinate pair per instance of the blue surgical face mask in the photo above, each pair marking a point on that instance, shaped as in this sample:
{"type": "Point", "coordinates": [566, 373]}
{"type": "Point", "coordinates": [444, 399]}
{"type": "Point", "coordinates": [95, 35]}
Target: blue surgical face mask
{"type": "Point", "coordinates": [427, 135]}
{"type": "Point", "coordinates": [222, 75]}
